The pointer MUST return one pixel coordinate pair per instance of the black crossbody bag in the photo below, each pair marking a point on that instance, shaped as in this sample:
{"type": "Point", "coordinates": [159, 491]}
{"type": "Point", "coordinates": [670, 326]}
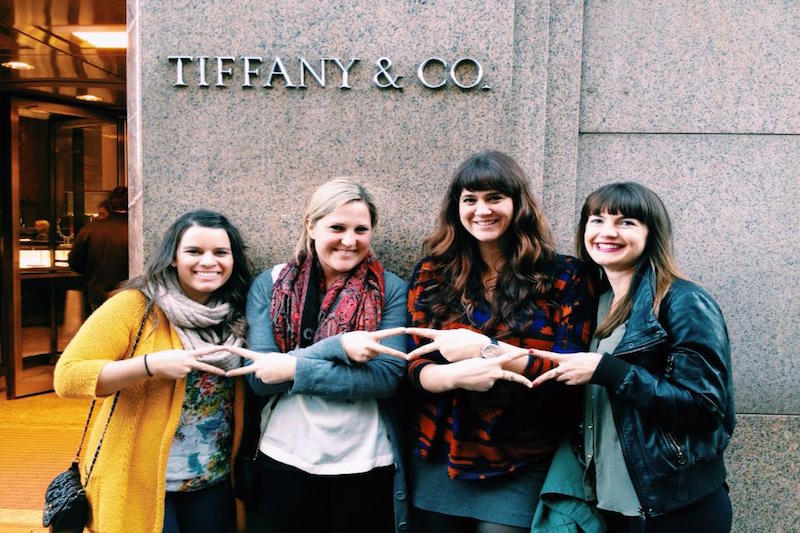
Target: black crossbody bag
{"type": "Point", "coordinates": [66, 508]}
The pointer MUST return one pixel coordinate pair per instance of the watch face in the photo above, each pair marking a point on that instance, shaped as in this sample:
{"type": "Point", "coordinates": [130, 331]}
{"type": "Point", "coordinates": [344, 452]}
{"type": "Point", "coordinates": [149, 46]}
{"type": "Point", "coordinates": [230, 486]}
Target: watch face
{"type": "Point", "coordinates": [490, 351]}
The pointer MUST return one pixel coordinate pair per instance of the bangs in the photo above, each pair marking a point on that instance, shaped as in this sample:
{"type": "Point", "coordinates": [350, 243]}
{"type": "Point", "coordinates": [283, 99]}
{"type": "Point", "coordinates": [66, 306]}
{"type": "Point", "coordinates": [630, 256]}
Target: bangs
{"type": "Point", "coordinates": [619, 199]}
{"type": "Point", "coordinates": [484, 176]}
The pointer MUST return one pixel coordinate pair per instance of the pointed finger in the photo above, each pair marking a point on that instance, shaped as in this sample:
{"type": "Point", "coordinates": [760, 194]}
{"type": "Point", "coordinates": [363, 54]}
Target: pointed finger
{"type": "Point", "coordinates": [544, 354]}
{"type": "Point", "coordinates": [516, 354]}
{"type": "Point", "coordinates": [211, 369]}
{"type": "Point", "coordinates": [422, 350]}
{"type": "Point", "coordinates": [547, 376]}
{"type": "Point", "coordinates": [391, 332]}
{"type": "Point", "coordinates": [244, 352]}
{"type": "Point", "coordinates": [427, 333]}
{"type": "Point", "coordinates": [380, 348]}
{"type": "Point", "coordinates": [241, 371]}
{"type": "Point", "coordinates": [508, 375]}
{"type": "Point", "coordinates": [200, 352]}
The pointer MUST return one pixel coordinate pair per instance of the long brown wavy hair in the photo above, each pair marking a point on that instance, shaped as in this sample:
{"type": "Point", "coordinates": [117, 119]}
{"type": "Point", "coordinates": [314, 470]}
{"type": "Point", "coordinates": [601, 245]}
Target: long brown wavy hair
{"type": "Point", "coordinates": [635, 201]}
{"type": "Point", "coordinates": [526, 275]}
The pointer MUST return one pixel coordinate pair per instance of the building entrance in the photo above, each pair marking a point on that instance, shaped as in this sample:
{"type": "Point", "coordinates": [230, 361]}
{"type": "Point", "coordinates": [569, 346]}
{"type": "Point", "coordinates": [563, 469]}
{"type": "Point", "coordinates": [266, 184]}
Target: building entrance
{"type": "Point", "coordinates": [65, 161]}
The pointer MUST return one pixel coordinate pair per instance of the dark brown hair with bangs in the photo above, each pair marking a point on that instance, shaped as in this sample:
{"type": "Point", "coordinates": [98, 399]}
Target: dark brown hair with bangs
{"type": "Point", "coordinates": [526, 274]}
{"type": "Point", "coordinates": [633, 200]}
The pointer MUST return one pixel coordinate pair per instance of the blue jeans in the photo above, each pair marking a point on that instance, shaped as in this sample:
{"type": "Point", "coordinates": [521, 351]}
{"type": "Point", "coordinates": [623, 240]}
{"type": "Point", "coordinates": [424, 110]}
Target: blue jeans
{"type": "Point", "coordinates": [209, 510]}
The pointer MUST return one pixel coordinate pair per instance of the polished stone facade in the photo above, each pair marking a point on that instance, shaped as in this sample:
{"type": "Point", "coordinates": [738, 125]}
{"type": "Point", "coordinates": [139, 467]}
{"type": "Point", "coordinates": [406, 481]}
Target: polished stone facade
{"type": "Point", "coordinates": [699, 102]}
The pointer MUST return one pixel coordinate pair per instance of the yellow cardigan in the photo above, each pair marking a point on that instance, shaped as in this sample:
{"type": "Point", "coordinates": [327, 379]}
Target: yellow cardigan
{"type": "Point", "coordinates": [127, 486]}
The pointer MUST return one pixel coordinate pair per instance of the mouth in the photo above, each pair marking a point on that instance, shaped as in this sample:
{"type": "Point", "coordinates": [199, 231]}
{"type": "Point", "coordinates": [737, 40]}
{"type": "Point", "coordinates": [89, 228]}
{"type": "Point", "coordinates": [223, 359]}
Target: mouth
{"type": "Point", "coordinates": [485, 223]}
{"type": "Point", "coordinates": [607, 246]}
{"type": "Point", "coordinates": [207, 274]}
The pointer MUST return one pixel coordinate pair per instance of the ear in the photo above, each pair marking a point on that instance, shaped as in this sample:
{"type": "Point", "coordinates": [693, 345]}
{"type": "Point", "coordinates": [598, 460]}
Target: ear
{"type": "Point", "coordinates": [310, 229]}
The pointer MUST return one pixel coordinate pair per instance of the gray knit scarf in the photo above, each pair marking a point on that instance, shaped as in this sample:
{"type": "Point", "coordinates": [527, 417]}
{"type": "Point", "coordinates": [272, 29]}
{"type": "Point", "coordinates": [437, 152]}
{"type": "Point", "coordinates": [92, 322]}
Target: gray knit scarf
{"type": "Point", "coordinates": [194, 322]}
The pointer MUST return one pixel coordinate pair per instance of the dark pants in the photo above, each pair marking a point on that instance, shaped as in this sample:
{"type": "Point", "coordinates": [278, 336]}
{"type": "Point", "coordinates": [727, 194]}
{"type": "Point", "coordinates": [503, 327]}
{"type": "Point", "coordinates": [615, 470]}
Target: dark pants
{"type": "Point", "coordinates": [210, 510]}
{"type": "Point", "coordinates": [442, 523]}
{"type": "Point", "coordinates": [298, 502]}
{"type": "Point", "coordinates": [712, 514]}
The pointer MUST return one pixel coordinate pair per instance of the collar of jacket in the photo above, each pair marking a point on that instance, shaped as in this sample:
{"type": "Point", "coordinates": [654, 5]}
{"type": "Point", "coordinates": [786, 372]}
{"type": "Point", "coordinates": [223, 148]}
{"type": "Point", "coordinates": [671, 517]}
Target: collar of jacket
{"type": "Point", "coordinates": [643, 328]}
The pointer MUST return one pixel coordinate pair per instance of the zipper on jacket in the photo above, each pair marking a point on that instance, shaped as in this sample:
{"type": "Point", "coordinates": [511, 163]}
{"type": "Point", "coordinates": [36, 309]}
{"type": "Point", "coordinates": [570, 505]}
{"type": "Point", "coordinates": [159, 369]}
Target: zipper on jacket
{"type": "Point", "coordinates": [675, 448]}
{"type": "Point", "coordinates": [639, 348]}
{"type": "Point", "coordinates": [670, 365]}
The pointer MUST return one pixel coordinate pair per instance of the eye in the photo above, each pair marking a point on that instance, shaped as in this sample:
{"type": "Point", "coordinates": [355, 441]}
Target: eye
{"type": "Point", "coordinates": [336, 227]}
{"type": "Point", "coordinates": [191, 251]}
{"type": "Point", "coordinates": [629, 222]}
{"type": "Point", "coordinates": [497, 197]}
{"type": "Point", "coordinates": [468, 200]}
{"type": "Point", "coordinates": [362, 229]}
{"type": "Point", "coordinates": [222, 252]}
{"type": "Point", "coordinates": [594, 220]}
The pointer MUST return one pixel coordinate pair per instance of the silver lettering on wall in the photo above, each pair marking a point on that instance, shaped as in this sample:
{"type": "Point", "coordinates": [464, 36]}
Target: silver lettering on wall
{"type": "Point", "coordinates": [203, 82]}
{"type": "Point", "coordinates": [434, 73]}
{"type": "Point", "coordinates": [478, 76]}
{"type": "Point", "coordinates": [421, 73]}
{"type": "Point", "coordinates": [384, 78]}
{"type": "Point", "coordinates": [278, 70]}
{"type": "Point", "coordinates": [223, 71]}
{"type": "Point", "coordinates": [345, 70]}
{"type": "Point", "coordinates": [179, 69]}
{"type": "Point", "coordinates": [248, 71]}
{"type": "Point", "coordinates": [305, 67]}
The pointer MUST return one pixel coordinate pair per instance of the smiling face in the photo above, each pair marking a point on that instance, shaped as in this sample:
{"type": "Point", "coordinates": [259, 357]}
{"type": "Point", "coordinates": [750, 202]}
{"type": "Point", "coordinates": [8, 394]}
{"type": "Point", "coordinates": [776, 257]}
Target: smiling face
{"type": "Point", "coordinates": [204, 261]}
{"type": "Point", "coordinates": [341, 239]}
{"type": "Point", "coordinates": [486, 215]}
{"type": "Point", "coordinates": [615, 242]}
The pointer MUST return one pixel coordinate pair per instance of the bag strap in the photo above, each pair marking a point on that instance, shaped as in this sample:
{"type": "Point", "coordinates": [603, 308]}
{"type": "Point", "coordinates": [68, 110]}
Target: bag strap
{"type": "Point", "coordinates": [147, 310]}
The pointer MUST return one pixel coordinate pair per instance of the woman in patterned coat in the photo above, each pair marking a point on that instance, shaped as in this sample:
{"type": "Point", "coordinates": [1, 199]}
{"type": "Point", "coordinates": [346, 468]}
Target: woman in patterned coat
{"type": "Point", "coordinates": [491, 281]}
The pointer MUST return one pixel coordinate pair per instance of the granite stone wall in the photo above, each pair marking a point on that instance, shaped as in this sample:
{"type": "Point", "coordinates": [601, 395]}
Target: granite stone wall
{"type": "Point", "coordinates": [700, 101]}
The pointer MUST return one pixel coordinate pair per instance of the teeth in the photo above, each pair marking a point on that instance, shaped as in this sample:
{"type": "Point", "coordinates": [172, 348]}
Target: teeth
{"type": "Point", "coordinates": [484, 222]}
{"type": "Point", "coordinates": [206, 274]}
{"type": "Point", "coordinates": [608, 246]}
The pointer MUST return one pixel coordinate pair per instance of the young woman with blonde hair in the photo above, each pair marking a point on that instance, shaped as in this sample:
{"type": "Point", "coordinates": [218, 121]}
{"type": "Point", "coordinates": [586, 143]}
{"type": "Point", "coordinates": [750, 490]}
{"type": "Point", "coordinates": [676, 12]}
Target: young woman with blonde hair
{"type": "Point", "coordinates": [330, 457]}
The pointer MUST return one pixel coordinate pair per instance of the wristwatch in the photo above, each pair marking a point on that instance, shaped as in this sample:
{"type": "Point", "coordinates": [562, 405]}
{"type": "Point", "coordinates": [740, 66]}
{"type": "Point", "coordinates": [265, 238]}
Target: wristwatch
{"type": "Point", "coordinates": [491, 350]}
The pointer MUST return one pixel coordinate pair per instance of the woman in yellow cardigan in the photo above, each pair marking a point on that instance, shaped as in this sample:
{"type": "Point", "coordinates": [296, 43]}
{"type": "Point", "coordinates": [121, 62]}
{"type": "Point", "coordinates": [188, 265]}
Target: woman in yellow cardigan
{"type": "Point", "coordinates": [165, 460]}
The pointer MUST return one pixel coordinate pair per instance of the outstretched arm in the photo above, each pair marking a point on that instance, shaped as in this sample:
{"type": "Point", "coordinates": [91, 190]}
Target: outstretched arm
{"type": "Point", "coordinates": [324, 369]}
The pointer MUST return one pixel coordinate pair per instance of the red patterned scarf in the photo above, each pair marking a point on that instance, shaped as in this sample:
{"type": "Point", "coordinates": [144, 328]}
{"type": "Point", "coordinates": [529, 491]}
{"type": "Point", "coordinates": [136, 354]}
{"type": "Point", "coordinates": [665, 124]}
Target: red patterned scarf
{"type": "Point", "coordinates": [354, 302]}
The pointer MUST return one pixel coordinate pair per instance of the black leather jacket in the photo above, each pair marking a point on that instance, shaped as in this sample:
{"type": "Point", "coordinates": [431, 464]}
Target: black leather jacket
{"type": "Point", "coordinates": [671, 393]}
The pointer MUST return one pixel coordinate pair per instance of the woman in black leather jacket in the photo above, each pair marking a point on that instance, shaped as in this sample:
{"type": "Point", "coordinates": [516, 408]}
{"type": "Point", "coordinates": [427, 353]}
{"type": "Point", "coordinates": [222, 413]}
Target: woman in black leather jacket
{"type": "Point", "coordinates": [659, 404]}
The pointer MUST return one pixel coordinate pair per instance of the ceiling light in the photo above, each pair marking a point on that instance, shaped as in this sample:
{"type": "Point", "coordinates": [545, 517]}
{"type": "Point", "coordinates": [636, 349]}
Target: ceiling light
{"type": "Point", "coordinates": [17, 65]}
{"type": "Point", "coordinates": [104, 39]}
{"type": "Point", "coordinates": [89, 98]}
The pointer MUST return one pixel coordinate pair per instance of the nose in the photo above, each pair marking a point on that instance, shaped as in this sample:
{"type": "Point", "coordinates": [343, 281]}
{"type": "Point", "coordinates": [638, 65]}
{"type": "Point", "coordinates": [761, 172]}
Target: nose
{"type": "Point", "coordinates": [482, 208]}
{"type": "Point", "coordinates": [207, 259]}
{"type": "Point", "coordinates": [608, 229]}
{"type": "Point", "coordinates": [348, 239]}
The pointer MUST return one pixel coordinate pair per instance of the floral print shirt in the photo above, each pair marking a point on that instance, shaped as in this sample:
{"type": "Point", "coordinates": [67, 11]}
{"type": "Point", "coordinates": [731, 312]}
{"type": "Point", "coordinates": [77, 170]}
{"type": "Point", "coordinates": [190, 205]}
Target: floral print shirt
{"type": "Point", "coordinates": [201, 449]}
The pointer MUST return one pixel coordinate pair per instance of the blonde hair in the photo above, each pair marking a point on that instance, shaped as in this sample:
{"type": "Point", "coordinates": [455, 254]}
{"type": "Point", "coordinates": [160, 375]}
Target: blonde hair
{"type": "Point", "coordinates": [326, 199]}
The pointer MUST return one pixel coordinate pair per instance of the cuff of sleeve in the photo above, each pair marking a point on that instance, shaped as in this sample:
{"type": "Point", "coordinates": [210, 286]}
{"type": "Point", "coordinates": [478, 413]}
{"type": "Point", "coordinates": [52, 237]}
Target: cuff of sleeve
{"type": "Point", "coordinates": [333, 346]}
{"type": "Point", "coordinates": [78, 379]}
{"type": "Point", "coordinates": [415, 370]}
{"type": "Point", "coordinates": [610, 372]}
{"type": "Point", "coordinates": [305, 377]}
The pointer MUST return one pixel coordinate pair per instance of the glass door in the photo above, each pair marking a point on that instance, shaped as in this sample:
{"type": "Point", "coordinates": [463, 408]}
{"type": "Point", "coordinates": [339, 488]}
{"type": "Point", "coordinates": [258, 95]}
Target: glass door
{"type": "Point", "coordinates": [65, 162]}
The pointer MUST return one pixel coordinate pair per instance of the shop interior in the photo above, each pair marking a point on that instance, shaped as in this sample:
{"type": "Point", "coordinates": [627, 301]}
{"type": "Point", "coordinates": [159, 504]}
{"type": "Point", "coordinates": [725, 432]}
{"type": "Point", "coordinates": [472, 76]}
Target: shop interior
{"type": "Point", "coordinates": [62, 119]}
